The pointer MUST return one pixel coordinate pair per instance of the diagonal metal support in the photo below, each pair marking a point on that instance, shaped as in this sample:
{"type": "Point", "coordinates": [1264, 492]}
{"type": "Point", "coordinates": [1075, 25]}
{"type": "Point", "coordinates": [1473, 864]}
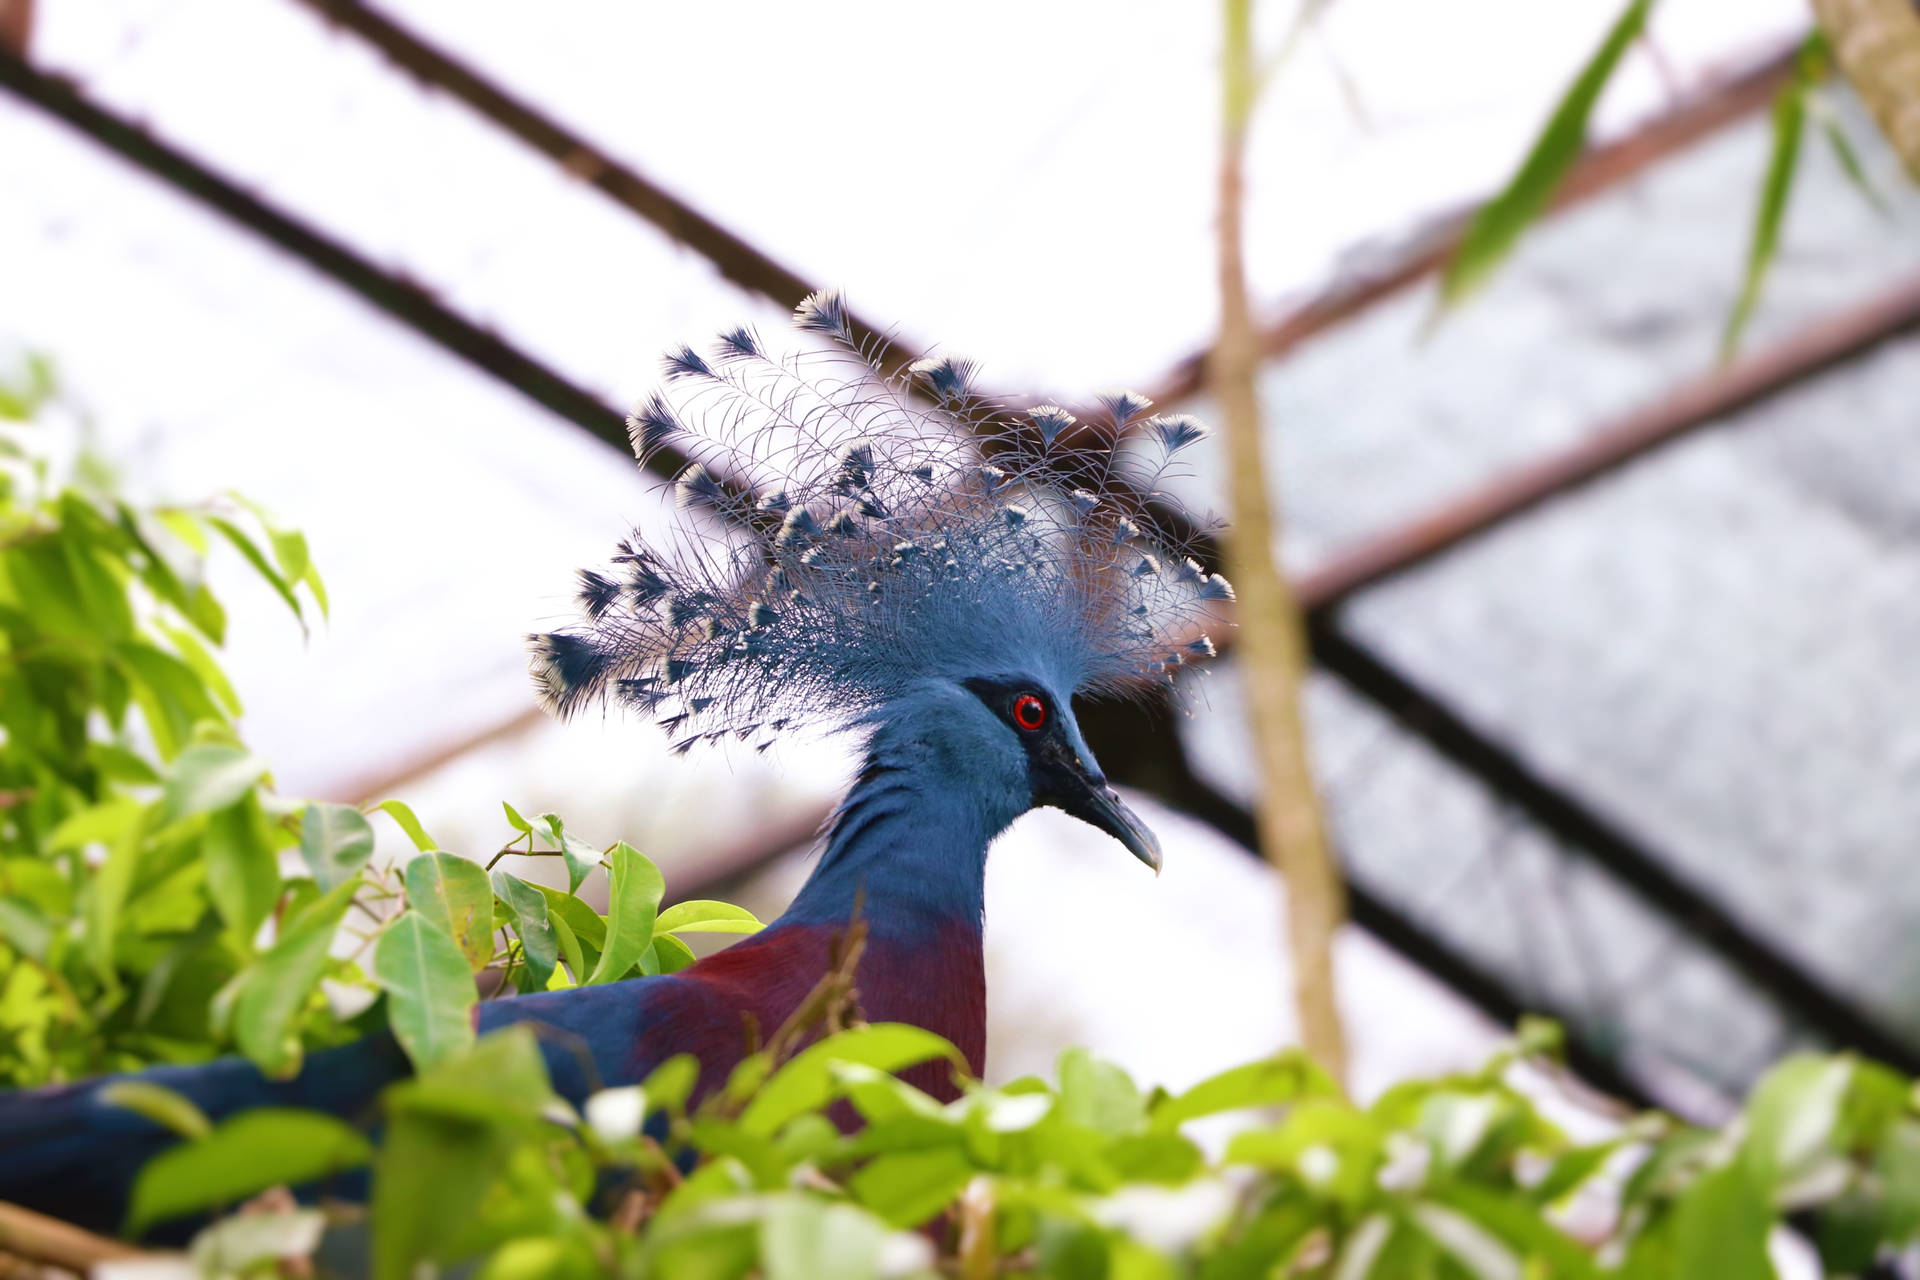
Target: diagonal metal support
{"type": "Point", "coordinates": [732, 256]}
{"type": "Point", "coordinates": [1429, 719]}
{"type": "Point", "coordinates": [401, 299]}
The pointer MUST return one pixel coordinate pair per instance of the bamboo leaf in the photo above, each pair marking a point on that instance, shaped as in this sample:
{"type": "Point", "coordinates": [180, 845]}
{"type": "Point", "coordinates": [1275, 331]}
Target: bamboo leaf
{"type": "Point", "coordinates": [1789, 119]}
{"type": "Point", "coordinates": [1500, 223]}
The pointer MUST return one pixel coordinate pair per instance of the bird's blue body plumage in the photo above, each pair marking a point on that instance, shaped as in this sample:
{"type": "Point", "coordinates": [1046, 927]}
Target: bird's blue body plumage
{"type": "Point", "coordinates": [851, 558]}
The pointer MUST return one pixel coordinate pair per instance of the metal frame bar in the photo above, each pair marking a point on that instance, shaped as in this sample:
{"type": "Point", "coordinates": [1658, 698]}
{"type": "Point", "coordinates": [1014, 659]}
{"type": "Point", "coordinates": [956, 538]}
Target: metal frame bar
{"type": "Point", "coordinates": [1812, 350]}
{"type": "Point", "coordinates": [732, 256]}
{"type": "Point", "coordinates": [1698, 116]}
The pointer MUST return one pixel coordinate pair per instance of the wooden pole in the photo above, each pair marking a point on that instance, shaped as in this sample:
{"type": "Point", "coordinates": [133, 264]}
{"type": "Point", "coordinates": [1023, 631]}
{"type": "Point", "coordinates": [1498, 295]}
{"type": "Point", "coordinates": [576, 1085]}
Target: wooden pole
{"type": "Point", "coordinates": [1271, 637]}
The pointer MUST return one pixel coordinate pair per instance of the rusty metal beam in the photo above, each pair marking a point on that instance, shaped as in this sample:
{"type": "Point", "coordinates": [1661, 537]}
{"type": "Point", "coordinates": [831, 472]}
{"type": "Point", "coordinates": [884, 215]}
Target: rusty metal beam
{"type": "Point", "coordinates": [732, 256]}
{"type": "Point", "coordinates": [16, 26]}
{"type": "Point", "coordinates": [1605, 166]}
{"type": "Point", "coordinates": [1831, 340]}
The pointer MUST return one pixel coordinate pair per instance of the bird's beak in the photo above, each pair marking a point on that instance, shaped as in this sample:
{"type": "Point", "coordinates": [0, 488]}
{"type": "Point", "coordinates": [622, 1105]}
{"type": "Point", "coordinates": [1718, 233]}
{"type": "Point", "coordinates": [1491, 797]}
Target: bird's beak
{"type": "Point", "coordinates": [1101, 807]}
{"type": "Point", "coordinates": [1067, 784]}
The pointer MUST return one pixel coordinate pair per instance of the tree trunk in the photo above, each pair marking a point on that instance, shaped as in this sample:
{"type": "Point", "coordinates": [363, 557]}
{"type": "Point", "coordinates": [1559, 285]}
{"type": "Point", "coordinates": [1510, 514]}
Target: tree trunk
{"type": "Point", "coordinates": [1271, 645]}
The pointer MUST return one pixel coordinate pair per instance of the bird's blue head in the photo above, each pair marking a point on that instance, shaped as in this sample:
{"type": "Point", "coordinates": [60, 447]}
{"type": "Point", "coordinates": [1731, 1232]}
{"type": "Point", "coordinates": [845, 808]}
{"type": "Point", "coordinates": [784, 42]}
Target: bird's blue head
{"type": "Point", "coordinates": [896, 556]}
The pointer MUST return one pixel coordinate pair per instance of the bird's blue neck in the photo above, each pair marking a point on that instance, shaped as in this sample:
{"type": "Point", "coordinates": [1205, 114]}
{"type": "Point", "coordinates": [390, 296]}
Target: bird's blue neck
{"type": "Point", "coordinates": [909, 844]}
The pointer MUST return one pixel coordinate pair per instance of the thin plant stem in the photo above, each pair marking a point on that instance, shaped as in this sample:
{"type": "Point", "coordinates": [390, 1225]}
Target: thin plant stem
{"type": "Point", "coordinates": [1272, 635]}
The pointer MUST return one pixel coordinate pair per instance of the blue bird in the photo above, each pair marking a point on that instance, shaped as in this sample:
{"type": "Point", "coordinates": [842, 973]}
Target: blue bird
{"type": "Point", "coordinates": [882, 556]}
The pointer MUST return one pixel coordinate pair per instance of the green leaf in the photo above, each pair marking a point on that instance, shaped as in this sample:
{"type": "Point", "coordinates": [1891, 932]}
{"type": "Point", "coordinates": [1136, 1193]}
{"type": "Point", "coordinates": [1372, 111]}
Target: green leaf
{"type": "Point", "coordinates": [586, 923]}
{"type": "Point", "coordinates": [102, 823]}
{"type": "Point", "coordinates": [206, 612]}
{"type": "Point", "coordinates": [257, 1149]}
{"type": "Point", "coordinates": [1499, 224]}
{"type": "Point", "coordinates": [637, 887]}
{"type": "Point", "coordinates": [290, 550]}
{"type": "Point", "coordinates": [669, 1085]}
{"type": "Point", "coordinates": [403, 815]}
{"type": "Point", "coordinates": [1285, 1078]}
{"type": "Point", "coordinates": [243, 872]}
{"type": "Point", "coordinates": [161, 1105]}
{"type": "Point", "coordinates": [185, 526]}
{"type": "Point", "coordinates": [171, 697]}
{"type": "Point", "coordinates": [1720, 1229]}
{"type": "Point", "coordinates": [908, 1188]}
{"type": "Point", "coordinates": [1354, 1138]}
{"type": "Point", "coordinates": [121, 765]}
{"type": "Point", "coordinates": [514, 819]}
{"type": "Point", "coordinates": [802, 1238]}
{"type": "Point", "coordinates": [112, 882]}
{"type": "Point", "coordinates": [431, 1172]}
{"type": "Point", "coordinates": [430, 991]}
{"type": "Point", "coordinates": [807, 1082]}
{"type": "Point", "coordinates": [335, 841]}
{"type": "Point", "coordinates": [703, 916]}
{"type": "Point", "coordinates": [502, 1080]}
{"type": "Point", "coordinates": [457, 897]}
{"type": "Point", "coordinates": [25, 928]}
{"type": "Point", "coordinates": [1791, 1115]}
{"type": "Point", "coordinates": [1570, 1172]}
{"type": "Point", "coordinates": [569, 944]}
{"type": "Point", "coordinates": [319, 589]}
{"type": "Point", "coordinates": [451, 1134]}
{"type": "Point", "coordinates": [1789, 120]}
{"type": "Point", "coordinates": [245, 545]}
{"type": "Point", "coordinates": [1896, 1162]}
{"type": "Point", "coordinates": [1849, 158]}
{"type": "Point", "coordinates": [538, 942]}
{"type": "Point", "coordinates": [202, 663]}
{"type": "Point", "coordinates": [207, 776]}
{"type": "Point", "coordinates": [276, 988]}
{"type": "Point", "coordinates": [1166, 1158]}
{"type": "Point", "coordinates": [1099, 1095]}
{"type": "Point", "coordinates": [1522, 1226]}
{"type": "Point", "coordinates": [581, 858]}
{"type": "Point", "coordinates": [667, 954]}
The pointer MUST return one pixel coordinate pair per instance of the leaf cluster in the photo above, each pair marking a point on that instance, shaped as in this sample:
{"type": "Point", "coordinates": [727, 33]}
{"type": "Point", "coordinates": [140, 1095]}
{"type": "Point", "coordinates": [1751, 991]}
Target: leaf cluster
{"type": "Point", "coordinates": [159, 900]}
{"type": "Point", "coordinates": [824, 1162]}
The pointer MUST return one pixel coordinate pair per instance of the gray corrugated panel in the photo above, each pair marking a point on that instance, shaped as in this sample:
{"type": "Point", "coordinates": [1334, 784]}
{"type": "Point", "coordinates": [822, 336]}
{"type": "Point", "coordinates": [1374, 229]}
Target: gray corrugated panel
{"type": "Point", "coordinates": [1717, 648]}
{"type": "Point", "coordinates": [1602, 310]}
{"type": "Point", "coordinates": [1561, 932]}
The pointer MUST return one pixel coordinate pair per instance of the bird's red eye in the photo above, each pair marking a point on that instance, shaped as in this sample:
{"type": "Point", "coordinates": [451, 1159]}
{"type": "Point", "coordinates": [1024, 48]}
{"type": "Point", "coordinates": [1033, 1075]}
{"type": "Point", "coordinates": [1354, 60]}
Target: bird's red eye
{"type": "Point", "coordinates": [1029, 712]}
